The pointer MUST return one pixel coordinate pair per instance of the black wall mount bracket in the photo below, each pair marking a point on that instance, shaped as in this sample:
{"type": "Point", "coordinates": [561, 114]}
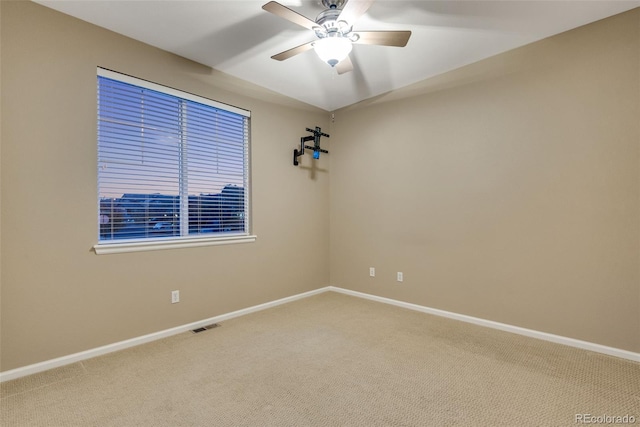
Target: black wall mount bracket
{"type": "Point", "coordinates": [315, 137]}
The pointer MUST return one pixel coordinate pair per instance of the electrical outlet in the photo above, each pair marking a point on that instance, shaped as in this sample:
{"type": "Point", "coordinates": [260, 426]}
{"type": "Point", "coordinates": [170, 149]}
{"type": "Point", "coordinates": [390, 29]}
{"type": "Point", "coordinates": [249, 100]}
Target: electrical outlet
{"type": "Point", "coordinates": [400, 276]}
{"type": "Point", "coordinates": [372, 271]}
{"type": "Point", "coordinates": [175, 297]}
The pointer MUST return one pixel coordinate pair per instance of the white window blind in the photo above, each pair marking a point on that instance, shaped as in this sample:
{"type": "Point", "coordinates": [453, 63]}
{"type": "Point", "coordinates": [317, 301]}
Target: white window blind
{"type": "Point", "coordinates": [171, 165]}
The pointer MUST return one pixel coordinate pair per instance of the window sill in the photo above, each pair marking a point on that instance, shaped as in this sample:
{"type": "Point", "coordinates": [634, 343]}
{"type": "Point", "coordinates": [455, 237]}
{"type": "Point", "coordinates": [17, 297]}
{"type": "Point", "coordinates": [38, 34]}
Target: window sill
{"type": "Point", "coordinates": [116, 248]}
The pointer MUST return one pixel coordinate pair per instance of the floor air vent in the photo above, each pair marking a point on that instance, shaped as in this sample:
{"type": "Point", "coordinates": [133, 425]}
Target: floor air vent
{"type": "Point", "coordinates": [205, 328]}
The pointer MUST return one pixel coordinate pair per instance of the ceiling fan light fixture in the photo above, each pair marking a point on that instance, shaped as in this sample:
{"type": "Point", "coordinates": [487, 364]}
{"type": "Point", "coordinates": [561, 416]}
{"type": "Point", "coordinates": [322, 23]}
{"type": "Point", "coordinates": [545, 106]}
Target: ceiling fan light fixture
{"type": "Point", "coordinates": [333, 50]}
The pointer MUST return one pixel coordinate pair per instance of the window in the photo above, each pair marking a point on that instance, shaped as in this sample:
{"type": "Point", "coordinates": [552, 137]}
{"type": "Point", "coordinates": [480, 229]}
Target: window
{"type": "Point", "coordinates": [173, 168]}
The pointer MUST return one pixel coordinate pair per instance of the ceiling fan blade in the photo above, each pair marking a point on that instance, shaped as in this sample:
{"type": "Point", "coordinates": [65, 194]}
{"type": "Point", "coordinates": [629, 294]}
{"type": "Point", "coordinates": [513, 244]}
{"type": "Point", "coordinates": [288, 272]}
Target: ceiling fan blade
{"type": "Point", "coordinates": [293, 51]}
{"type": "Point", "coordinates": [344, 66]}
{"type": "Point", "coordinates": [353, 10]}
{"type": "Point", "coordinates": [384, 38]}
{"type": "Point", "coordinates": [288, 14]}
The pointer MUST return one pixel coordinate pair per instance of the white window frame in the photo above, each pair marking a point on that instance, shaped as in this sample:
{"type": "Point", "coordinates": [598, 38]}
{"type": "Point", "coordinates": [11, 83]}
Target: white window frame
{"type": "Point", "coordinates": [189, 241]}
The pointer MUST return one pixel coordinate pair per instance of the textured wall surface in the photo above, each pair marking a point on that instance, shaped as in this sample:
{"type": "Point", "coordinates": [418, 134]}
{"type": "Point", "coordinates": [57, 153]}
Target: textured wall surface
{"type": "Point", "coordinates": [58, 297]}
{"type": "Point", "coordinates": [507, 190]}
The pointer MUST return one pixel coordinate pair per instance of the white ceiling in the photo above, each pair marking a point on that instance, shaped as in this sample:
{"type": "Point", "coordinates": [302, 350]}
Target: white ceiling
{"type": "Point", "coordinates": [238, 37]}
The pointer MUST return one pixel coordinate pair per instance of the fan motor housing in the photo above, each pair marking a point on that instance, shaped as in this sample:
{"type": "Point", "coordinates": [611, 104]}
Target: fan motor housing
{"type": "Point", "coordinates": [327, 18]}
{"type": "Point", "coordinates": [329, 25]}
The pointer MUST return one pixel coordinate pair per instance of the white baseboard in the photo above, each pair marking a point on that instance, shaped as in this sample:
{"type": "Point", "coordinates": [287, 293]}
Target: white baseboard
{"type": "Point", "coordinates": [585, 345]}
{"type": "Point", "coordinates": [99, 351]}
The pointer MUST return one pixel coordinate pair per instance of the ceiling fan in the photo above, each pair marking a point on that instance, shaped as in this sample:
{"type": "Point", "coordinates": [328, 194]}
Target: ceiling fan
{"type": "Point", "coordinates": [333, 28]}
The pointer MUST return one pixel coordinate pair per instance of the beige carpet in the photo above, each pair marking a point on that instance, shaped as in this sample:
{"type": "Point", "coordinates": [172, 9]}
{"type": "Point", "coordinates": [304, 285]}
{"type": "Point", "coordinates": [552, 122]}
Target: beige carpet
{"type": "Point", "coordinates": [331, 360]}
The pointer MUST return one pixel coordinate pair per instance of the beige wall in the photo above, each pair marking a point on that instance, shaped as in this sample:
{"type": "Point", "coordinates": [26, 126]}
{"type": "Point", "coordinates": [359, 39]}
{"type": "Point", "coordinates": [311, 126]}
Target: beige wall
{"type": "Point", "coordinates": [58, 297]}
{"type": "Point", "coordinates": [508, 190]}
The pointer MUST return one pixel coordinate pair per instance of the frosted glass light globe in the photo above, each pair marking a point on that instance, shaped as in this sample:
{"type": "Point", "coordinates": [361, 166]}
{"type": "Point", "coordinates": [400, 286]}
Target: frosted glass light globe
{"type": "Point", "coordinates": [332, 50]}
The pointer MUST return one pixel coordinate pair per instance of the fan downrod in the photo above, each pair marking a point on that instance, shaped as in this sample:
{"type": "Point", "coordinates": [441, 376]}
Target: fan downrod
{"type": "Point", "coordinates": [333, 4]}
